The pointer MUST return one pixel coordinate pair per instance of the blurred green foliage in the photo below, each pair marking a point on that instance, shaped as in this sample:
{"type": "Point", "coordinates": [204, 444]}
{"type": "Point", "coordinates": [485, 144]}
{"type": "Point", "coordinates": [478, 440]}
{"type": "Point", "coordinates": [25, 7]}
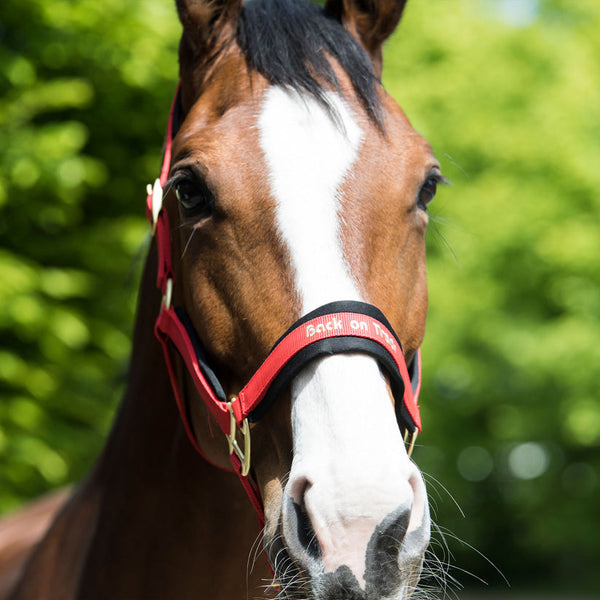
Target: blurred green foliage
{"type": "Point", "coordinates": [511, 395]}
{"type": "Point", "coordinates": [84, 95]}
{"type": "Point", "coordinates": [509, 96]}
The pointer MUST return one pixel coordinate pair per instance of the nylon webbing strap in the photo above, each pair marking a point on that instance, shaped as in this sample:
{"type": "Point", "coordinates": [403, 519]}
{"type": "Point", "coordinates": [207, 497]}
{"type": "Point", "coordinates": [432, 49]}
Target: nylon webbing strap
{"type": "Point", "coordinates": [335, 328]}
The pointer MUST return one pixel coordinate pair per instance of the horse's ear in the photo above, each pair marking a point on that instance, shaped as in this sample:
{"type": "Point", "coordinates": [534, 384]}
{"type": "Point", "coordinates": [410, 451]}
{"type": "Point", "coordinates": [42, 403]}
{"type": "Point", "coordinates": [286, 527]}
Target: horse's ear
{"type": "Point", "coordinates": [204, 21]}
{"type": "Point", "coordinates": [370, 21]}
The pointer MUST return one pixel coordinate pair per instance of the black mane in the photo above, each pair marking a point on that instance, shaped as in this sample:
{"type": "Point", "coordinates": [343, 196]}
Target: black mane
{"type": "Point", "coordinates": [289, 42]}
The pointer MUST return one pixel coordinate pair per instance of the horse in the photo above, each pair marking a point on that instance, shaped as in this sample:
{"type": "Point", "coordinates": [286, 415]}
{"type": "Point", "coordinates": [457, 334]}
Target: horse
{"type": "Point", "coordinates": [275, 358]}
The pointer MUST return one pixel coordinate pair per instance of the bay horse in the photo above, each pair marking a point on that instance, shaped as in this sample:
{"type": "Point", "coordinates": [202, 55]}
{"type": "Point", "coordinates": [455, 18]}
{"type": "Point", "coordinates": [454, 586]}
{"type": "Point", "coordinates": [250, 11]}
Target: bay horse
{"type": "Point", "coordinates": [288, 219]}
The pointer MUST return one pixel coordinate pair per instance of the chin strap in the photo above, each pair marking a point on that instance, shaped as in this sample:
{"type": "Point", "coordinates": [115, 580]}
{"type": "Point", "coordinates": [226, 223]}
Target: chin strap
{"type": "Point", "coordinates": [335, 328]}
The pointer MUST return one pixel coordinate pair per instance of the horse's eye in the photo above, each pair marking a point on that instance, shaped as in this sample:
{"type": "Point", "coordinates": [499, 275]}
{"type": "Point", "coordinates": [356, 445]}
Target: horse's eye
{"type": "Point", "coordinates": [427, 192]}
{"type": "Point", "coordinates": [194, 196]}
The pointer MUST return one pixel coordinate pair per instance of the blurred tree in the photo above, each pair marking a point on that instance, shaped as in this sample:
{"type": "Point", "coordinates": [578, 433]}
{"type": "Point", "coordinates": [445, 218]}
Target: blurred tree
{"type": "Point", "coordinates": [83, 90]}
{"type": "Point", "coordinates": [508, 95]}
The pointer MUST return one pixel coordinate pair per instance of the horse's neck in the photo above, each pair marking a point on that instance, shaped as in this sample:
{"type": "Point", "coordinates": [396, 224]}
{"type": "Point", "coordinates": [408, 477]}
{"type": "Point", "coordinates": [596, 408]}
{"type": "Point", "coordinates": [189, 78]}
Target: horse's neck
{"type": "Point", "coordinates": [154, 520]}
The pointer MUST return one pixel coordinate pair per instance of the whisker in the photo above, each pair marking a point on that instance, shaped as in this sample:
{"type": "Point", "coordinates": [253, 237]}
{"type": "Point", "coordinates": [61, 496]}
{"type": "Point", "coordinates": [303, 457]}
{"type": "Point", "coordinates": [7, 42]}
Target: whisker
{"type": "Point", "coordinates": [452, 161]}
{"type": "Point", "coordinates": [253, 554]}
{"type": "Point", "coordinates": [188, 243]}
{"type": "Point", "coordinates": [432, 479]}
{"type": "Point", "coordinates": [435, 221]}
{"type": "Point", "coordinates": [448, 533]}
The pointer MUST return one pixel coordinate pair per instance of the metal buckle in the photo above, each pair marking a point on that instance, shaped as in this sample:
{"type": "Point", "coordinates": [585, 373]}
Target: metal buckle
{"type": "Point", "coordinates": [157, 200]}
{"type": "Point", "coordinates": [168, 295]}
{"type": "Point", "coordinates": [409, 439]}
{"type": "Point", "coordinates": [244, 455]}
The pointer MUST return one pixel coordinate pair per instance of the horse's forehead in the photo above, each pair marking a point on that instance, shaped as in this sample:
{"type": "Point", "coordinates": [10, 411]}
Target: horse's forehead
{"type": "Point", "coordinates": [227, 121]}
{"type": "Point", "coordinates": [223, 113]}
{"type": "Point", "coordinates": [249, 135]}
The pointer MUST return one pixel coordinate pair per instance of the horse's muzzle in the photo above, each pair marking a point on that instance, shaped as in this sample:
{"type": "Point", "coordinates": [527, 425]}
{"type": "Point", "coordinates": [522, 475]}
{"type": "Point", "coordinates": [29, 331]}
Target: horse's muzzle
{"type": "Point", "coordinates": [353, 556]}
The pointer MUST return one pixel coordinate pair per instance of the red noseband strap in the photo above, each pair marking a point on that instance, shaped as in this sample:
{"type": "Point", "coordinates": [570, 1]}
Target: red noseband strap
{"type": "Point", "coordinates": [332, 329]}
{"type": "Point", "coordinates": [339, 327]}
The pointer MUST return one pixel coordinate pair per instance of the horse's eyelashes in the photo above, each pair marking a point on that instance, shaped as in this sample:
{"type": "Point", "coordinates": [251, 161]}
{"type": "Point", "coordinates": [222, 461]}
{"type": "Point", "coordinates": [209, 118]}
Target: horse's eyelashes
{"type": "Point", "coordinates": [427, 192]}
{"type": "Point", "coordinates": [194, 196]}
{"type": "Point", "coordinates": [429, 189]}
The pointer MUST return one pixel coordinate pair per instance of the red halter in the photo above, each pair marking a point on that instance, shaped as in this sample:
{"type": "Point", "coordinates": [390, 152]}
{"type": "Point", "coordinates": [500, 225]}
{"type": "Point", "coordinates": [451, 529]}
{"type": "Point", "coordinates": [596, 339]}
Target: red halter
{"type": "Point", "coordinates": [334, 328]}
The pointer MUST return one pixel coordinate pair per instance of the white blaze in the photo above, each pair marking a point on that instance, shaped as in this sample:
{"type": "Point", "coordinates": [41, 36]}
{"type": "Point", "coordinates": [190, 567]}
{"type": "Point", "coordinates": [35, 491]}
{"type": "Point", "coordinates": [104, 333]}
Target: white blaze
{"type": "Point", "coordinates": [350, 468]}
{"type": "Point", "coordinates": [308, 155]}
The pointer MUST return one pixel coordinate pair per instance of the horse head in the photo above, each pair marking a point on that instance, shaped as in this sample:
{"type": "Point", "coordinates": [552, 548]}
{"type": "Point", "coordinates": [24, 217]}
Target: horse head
{"type": "Point", "coordinates": [296, 181]}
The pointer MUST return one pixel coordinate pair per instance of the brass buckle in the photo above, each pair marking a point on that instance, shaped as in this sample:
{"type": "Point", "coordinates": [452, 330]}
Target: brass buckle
{"type": "Point", "coordinates": [156, 192]}
{"type": "Point", "coordinates": [409, 440]}
{"type": "Point", "coordinates": [243, 455]}
{"type": "Point", "coordinates": [168, 295]}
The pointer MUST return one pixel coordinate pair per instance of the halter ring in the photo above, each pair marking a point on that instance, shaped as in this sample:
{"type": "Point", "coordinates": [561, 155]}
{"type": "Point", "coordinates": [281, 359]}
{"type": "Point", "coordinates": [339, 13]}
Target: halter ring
{"type": "Point", "coordinates": [243, 455]}
{"type": "Point", "coordinates": [168, 295]}
{"type": "Point", "coordinates": [409, 440]}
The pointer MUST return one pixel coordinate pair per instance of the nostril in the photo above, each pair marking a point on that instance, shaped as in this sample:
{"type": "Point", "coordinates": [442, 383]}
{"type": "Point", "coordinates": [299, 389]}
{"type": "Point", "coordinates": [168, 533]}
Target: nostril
{"type": "Point", "coordinates": [391, 532]}
{"type": "Point", "coordinates": [298, 488]}
{"type": "Point", "coordinates": [383, 551]}
{"type": "Point", "coordinates": [419, 507]}
{"type": "Point", "coordinates": [306, 533]}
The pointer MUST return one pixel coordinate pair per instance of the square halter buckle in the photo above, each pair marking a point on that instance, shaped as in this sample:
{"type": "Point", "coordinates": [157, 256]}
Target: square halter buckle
{"type": "Point", "coordinates": [243, 455]}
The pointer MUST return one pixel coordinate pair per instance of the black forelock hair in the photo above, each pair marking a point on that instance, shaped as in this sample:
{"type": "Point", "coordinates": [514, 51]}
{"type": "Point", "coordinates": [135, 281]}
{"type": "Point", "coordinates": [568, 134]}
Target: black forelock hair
{"type": "Point", "coordinates": [290, 42]}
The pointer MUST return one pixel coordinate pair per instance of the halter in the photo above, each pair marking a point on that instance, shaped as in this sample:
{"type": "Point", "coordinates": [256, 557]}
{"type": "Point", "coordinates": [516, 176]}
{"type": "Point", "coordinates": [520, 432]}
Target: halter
{"type": "Point", "coordinates": [334, 328]}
